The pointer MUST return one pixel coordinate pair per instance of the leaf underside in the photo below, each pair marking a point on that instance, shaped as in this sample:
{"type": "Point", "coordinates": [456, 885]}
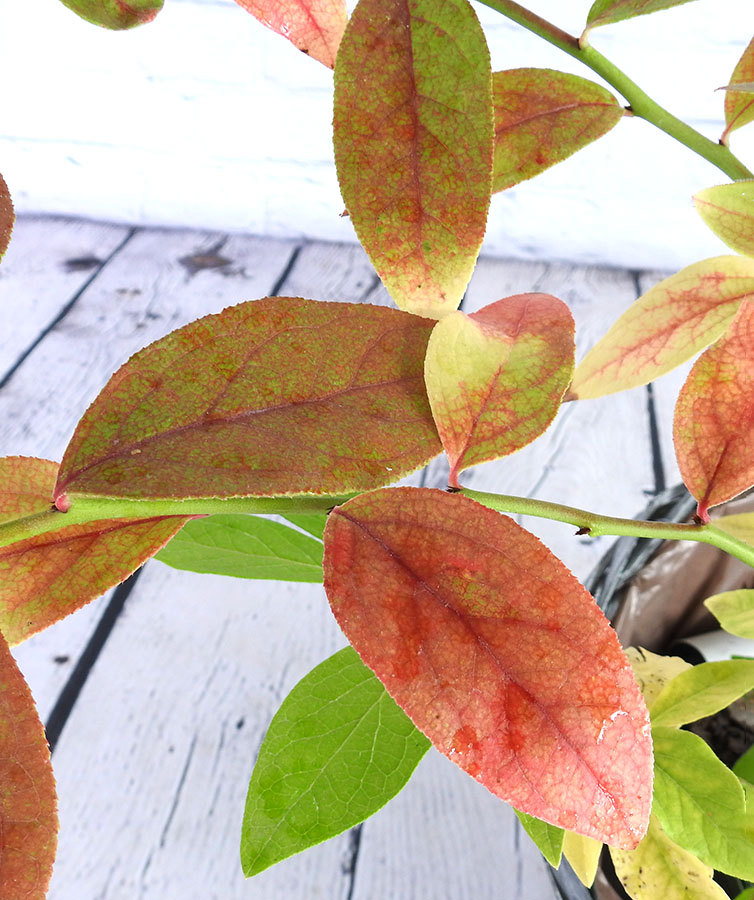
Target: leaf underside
{"type": "Point", "coordinates": [496, 653]}
{"type": "Point", "coordinates": [739, 104]}
{"type": "Point", "coordinates": [115, 14]}
{"type": "Point", "coordinates": [605, 12]}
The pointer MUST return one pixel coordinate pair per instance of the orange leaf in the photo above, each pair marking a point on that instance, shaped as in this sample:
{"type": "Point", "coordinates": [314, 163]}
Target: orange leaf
{"type": "Point", "coordinates": [713, 429]}
{"type": "Point", "coordinates": [497, 654]}
{"type": "Point", "coordinates": [542, 117]}
{"type": "Point", "coordinates": [314, 26]}
{"type": "Point", "coordinates": [495, 379]}
{"type": "Point", "coordinates": [739, 106]}
{"type": "Point", "coordinates": [28, 805]}
{"type": "Point", "coordinates": [666, 326]}
{"type": "Point", "coordinates": [413, 144]}
{"type": "Point", "coordinates": [7, 216]}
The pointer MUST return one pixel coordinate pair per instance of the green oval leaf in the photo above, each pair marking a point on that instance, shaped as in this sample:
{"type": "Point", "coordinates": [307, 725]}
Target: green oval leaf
{"type": "Point", "coordinates": [605, 12]}
{"type": "Point", "coordinates": [700, 803]}
{"type": "Point", "coordinates": [542, 117]}
{"type": "Point", "coordinates": [702, 691]}
{"type": "Point", "coordinates": [548, 838]}
{"type": "Point", "coordinates": [337, 750]}
{"type": "Point", "coordinates": [245, 547]}
{"type": "Point", "coordinates": [7, 216]}
{"type": "Point", "coordinates": [728, 210]}
{"type": "Point", "coordinates": [115, 14]}
{"type": "Point", "coordinates": [495, 379]}
{"type": "Point", "coordinates": [413, 143]}
{"type": "Point", "coordinates": [314, 26]}
{"type": "Point", "coordinates": [28, 805]}
{"type": "Point", "coordinates": [313, 524]}
{"type": "Point", "coordinates": [271, 397]}
{"type": "Point", "coordinates": [666, 326]}
{"type": "Point", "coordinates": [497, 654]}
{"type": "Point", "coordinates": [734, 610]}
{"type": "Point", "coordinates": [713, 429]}
{"type": "Point", "coordinates": [739, 106]}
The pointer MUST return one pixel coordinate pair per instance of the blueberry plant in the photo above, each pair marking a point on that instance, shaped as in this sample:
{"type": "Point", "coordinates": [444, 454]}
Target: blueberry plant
{"type": "Point", "coordinates": [466, 633]}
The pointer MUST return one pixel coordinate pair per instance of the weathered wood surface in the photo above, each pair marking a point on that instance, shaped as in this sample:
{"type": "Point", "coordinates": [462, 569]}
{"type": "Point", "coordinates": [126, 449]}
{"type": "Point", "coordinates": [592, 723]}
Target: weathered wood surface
{"type": "Point", "coordinates": [160, 730]}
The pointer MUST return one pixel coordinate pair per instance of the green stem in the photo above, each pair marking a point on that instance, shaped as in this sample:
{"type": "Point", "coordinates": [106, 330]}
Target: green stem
{"type": "Point", "coordinates": [640, 103]}
{"type": "Point", "coordinates": [596, 525]}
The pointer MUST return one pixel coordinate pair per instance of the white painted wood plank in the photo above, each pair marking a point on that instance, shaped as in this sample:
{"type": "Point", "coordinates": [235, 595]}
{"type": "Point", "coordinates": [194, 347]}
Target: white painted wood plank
{"type": "Point", "coordinates": [48, 262]}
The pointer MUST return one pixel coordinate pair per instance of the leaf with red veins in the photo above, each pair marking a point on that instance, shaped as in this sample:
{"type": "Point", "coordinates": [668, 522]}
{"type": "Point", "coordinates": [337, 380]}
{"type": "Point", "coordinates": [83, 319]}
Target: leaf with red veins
{"type": "Point", "coordinates": [542, 117]}
{"type": "Point", "coordinates": [413, 137]}
{"type": "Point", "coordinates": [713, 430]}
{"type": "Point", "coordinates": [666, 326]}
{"type": "Point", "coordinates": [28, 803]}
{"type": "Point", "coordinates": [495, 379]}
{"type": "Point", "coordinates": [115, 14]}
{"type": "Point", "coordinates": [273, 397]}
{"type": "Point", "coordinates": [728, 210]}
{"type": "Point", "coordinates": [26, 486]}
{"type": "Point", "coordinates": [605, 12]}
{"type": "Point", "coordinates": [739, 103]}
{"type": "Point", "coordinates": [7, 216]}
{"type": "Point", "coordinates": [497, 654]}
{"type": "Point", "coordinates": [44, 578]}
{"type": "Point", "coordinates": [314, 26]}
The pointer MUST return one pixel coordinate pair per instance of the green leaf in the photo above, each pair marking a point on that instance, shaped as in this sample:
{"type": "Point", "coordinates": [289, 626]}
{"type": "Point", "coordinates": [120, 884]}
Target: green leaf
{"type": "Point", "coordinates": [728, 210]}
{"type": "Point", "coordinates": [548, 838]}
{"type": "Point", "coordinates": [605, 12]}
{"type": "Point", "coordinates": [413, 137]}
{"type": "Point", "coordinates": [739, 107]}
{"type": "Point", "coordinates": [700, 803]}
{"type": "Point", "coordinates": [744, 767]}
{"type": "Point", "coordinates": [702, 691]}
{"type": "Point", "coordinates": [7, 216]}
{"type": "Point", "coordinates": [542, 117]}
{"type": "Point", "coordinates": [734, 610]}
{"type": "Point", "coordinates": [115, 14]}
{"type": "Point", "coordinates": [747, 894]}
{"type": "Point", "coordinates": [337, 750]}
{"type": "Point", "coordinates": [280, 396]}
{"type": "Point", "coordinates": [245, 547]}
{"type": "Point", "coordinates": [313, 524]}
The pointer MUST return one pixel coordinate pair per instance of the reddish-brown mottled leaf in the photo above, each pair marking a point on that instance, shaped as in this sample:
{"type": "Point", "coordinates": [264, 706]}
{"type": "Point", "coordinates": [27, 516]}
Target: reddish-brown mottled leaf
{"type": "Point", "coordinates": [7, 216]}
{"type": "Point", "coordinates": [115, 14]}
{"type": "Point", "coordinates": [271, 397]}
{"type": "Point", "coordinates": [666, 326]}
{"type": "Point", "coordinates": [498, 655]}
{"type": "Point", "coordinates": [413, 142]}
{"type": "Point", "coordinates": [496, 378]}
{"type": "Point", "coordinates": [314, 26]}
{"type": "Point", "coordinates": [28, 804]}
{"type": "Point", "coordinates": [739, 105]}
{"type": "Point", "coordinates": [713, 429]}
{"type": "Point", "coordinates": [542, 117]}
{"type": "Point", "coordinates": [605, 12]}
{"type": "Point", "coordinates": [26, 486]}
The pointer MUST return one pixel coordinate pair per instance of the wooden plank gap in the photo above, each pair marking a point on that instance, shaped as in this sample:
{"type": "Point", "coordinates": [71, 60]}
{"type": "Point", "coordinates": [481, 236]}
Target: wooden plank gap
{"type": "Point", "coordinates": [351, 863]}
{"type": "Point", "coordinates": [289, 266]}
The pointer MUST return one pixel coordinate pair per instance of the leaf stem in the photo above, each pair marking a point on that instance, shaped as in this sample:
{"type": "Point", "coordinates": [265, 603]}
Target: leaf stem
{"type": "Point", "coordinates": [596, 525]}
{"type": "Point", "coordinates": [640, 103]}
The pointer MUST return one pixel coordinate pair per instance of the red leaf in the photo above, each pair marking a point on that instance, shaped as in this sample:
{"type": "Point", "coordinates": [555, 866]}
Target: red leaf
{"type": "Point", "coordinates": [26, 486]}
{"type": "Point", "coordinates": [28, 805]}
{"type": "Point", "coordinates": [713, 430]}
{"type": "Point", "coordinates": [7, 216]}
{"type": "Point", "coordinates": [497, 653]}
{"type": "Point", "coordinates": [739, 107]}
{"type": "Point", "coordinates": [413, 144]}
{"type": "Point", "coordinates": [542, 117]}
{"type": "Point", "coordinates": [314, 26]}
{"type": "Point", "coordinates": [271, 397]}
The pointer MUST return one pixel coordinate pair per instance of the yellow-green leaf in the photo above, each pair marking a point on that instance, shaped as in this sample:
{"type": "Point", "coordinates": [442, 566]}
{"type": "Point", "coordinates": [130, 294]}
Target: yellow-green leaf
{"type": "Point", "coordinates": [583, 853]}
{"type": "Point", "coordinates": [728, 210]}
{"type": "Point", "coordinates": [741, 526]}
{"type": "Point", "coordinates": [666, 326]}
{"type": "Point", "coordinates": [734, 610]}
{"type": "Point", "coordinates": [702, 691]}
{"type": "Point", "coordinates": [653, 672]}
{"type": "Point", "coordinates": [739, 104]}
{"type": "Point", "coordinates": [115, 14]}
{"type": "Point", "coordinates": [605, 12]}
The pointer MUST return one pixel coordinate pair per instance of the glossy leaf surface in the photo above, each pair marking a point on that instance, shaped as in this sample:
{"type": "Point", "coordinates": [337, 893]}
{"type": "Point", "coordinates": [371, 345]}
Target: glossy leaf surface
{"type": "Point", "coordinates": [605, 12]}
{"type": "Point", "coordinates": [7, 216]}
{"type": "Point", "coordinates": [495, 379]}
{"type": "Point", "coordinates": [497, 654]}
{"type": "Point", "coordinates": [115, 14]}
{"type": "Point", "coordinates": [271, 397]}
{"type": "Point", "coordinates": [660, 868]}
{"type": "Point", "coordinates": [245, 547]}
{"type": "Point", "coordinates": [713, 429]}
{"type": "Point", "coordinates": [653, 672]}
{"type": "Point", "coordinates": [702, 691]}
{"type": "Point", "coordinates": [666, 326]}
{"type": "Point", "coordinates": [28, 805]}
{"type": "Point", "coordinates": [583, 855]}
{"type": "Point", "coordinates": [337, 750]}
{"type": "Point", "coordinates": [548, 838]}
{"type": "Point", "coordinates": [734, 610]}
{"type": "Point", "coordinates": [26, 486]}
{"type": "Point", "coordinates": [542, 117]}
{"type": "Point", "coordinates": [413, 136]}
{"type": "Point", "coordinates": [739, 103]}
{"type": "Point", "coordinates": [314, 26]}
{"type": "Point", "coordinates": [728, 210]}
{"type": "Point", "coordinates": [700, 802]}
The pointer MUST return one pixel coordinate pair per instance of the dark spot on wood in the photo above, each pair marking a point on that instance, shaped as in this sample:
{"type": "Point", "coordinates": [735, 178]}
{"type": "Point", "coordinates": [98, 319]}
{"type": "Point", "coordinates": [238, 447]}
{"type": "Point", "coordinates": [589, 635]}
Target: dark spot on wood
{"type": "Point", "coordinates": [61, 660]}
{"type": "Point", "coordinates": [130, 292]}
{"type": "Point", "coordinates": [206, 259]}
{"type": "Point", "coordinates": [82, 263]}
{"type": "Point", "coordinates": [240, 723]}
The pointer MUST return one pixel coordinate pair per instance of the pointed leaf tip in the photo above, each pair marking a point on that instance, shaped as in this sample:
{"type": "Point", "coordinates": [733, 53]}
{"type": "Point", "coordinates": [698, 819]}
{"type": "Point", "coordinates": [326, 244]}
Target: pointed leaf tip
{"type": "Point", "coordinates": [739, 103]}
{"type": "Point", "coordinates": [116, 15]}
{"type": "Point", "coordinates": [497, 654]}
